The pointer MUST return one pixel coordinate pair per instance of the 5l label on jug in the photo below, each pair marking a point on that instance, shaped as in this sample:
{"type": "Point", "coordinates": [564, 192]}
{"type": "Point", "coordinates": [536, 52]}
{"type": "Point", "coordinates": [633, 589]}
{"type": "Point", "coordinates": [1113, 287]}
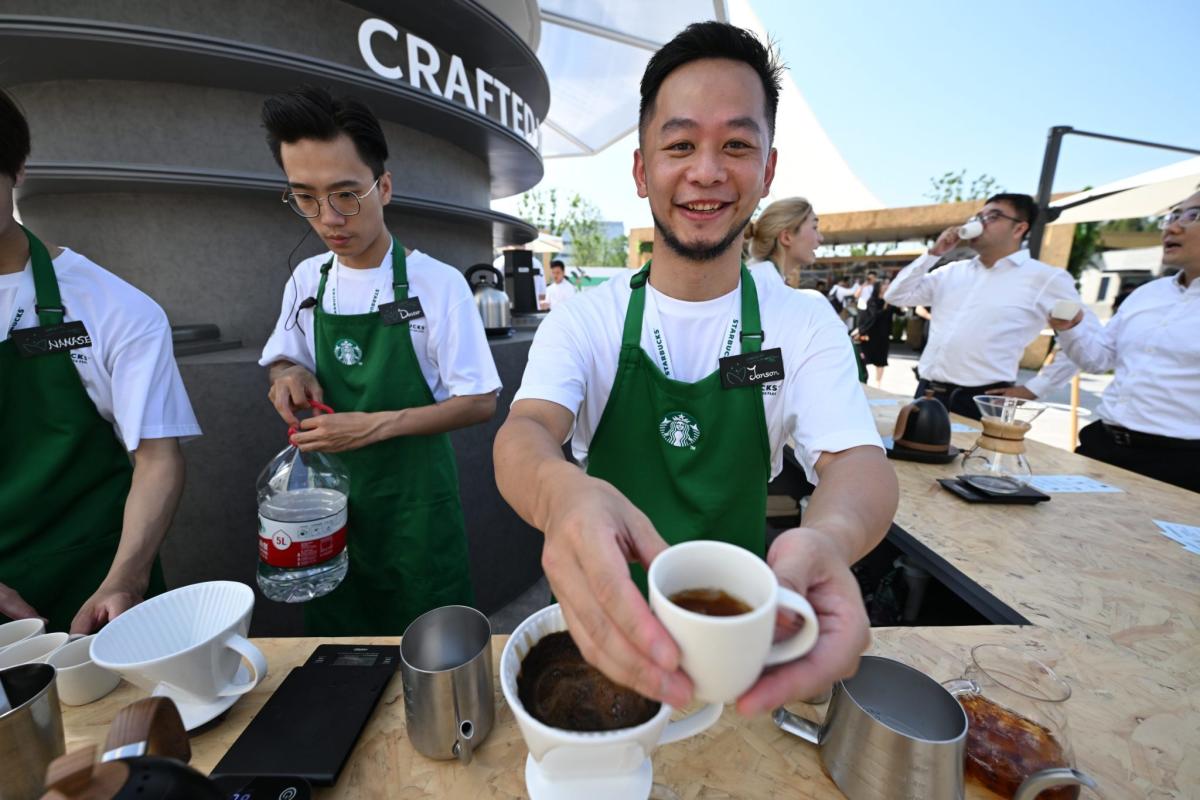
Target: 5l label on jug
{"type": "Point", "coordinates": [301, 544]}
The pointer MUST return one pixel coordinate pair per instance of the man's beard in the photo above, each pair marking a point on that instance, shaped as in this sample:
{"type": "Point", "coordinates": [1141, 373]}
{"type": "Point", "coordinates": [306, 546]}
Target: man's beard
{"type": "Point", "coordinates": [703, 251]}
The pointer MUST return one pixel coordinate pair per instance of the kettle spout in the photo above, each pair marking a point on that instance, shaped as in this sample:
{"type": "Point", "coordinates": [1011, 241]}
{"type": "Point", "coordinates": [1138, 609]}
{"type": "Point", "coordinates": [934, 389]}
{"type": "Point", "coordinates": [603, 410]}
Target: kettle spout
{"type": "Point", "coordinates": [1039, 782]}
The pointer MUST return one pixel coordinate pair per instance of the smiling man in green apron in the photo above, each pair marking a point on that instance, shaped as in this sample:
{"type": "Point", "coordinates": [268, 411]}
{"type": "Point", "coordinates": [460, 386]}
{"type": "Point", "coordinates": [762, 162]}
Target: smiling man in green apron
{"type": "Point", "coordinates": [673, 448]}
{"type": "Point", "coordinates": [390, 339]}
{"type": "Point", "coordinates": [87, 377]}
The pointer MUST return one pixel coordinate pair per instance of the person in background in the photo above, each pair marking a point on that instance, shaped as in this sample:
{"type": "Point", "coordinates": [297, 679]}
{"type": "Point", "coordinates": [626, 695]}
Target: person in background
{"type": "Point", "coordinates": [989, 308]}
{"type": "Point", "coordinates": [398, 386]}
{"type": "Point", "coordinates": [80, 525]}
{"type": "Point", "coordinates": [783, 241]}
{"type": "Point", "coordinates": [1150, 413]}
{"type": "Point", "coordinates": [559, 290]}
{"type": "Point", "coordinates": [840, 295]}
{"type": "Point", "coordinates": [1122, 295]}
{"type": "Point", "coordinates": [874, 332]}
{"type": "Point", "coordinates": [666, 453]}
{"type": "Point", "coordinates": [821, 287]}
{"type": "Point", "coordinates": [864, 292]}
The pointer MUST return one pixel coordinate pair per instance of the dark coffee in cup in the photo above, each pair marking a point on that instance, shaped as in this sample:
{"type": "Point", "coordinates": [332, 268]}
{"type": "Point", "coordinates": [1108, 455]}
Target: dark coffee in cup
{"type": "Point", "coordinates": [713, 602]}
{"type": "Point", "coordinates": [558, 688]}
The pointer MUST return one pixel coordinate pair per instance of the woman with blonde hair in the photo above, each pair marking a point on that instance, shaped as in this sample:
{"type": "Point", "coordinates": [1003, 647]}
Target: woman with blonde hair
{"type": "Point", "coordinates": [782, 241]}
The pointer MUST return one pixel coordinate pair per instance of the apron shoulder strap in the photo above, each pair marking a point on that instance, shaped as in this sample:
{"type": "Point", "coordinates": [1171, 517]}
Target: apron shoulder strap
{"type": "Point", "coordinates": [752, 332]}
{"type": "Point", "coordinates": [48, 304]}
{"type": "Point", "coordinates": [399, 271]}
{"type": "Point", "coordinates": [321, 286]}
{"type": "Point", "coordinates": [632, 335]}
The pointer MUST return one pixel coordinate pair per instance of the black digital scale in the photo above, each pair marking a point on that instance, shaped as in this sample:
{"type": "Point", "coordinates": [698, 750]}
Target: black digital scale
{"type": "Point", "coordinates": [310, 724]}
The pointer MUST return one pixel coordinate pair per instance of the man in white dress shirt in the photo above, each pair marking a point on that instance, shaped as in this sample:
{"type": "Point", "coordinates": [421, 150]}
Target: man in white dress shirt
{"type": "Point", "coordinates": [560, 290]}
{"type": "Point", "coordinates": [989, 309]}
{"type": "Point", "coordinates": [1150, 413]}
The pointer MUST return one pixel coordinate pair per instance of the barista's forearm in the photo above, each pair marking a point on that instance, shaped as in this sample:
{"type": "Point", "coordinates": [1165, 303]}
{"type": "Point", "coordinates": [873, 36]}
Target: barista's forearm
{"type": "Point", "coordinates": [448, 415]}
{"type": "Point", "coordinates": [530, 468]}
{"type": "Point", "coordinates": [158, 474]}
{"type": "Point", "coordinates": [855, 500]}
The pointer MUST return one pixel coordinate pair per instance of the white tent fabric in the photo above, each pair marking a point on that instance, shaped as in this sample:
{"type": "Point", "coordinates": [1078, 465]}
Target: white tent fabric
{"type": "Point", "coordinates": [809, 164]}
{"type": "Point", "coordinates": [1143, 195]}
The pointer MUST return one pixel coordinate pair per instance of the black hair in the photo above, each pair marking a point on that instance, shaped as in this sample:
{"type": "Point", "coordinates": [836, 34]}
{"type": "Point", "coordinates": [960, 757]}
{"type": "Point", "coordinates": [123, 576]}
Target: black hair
{"type": "Point", "coordinates": [1023, 204]}
{"type": "Point", "coordinates": [558, 262]}
{"type": "Point", "coordinates": [311, 112]}
{"type": "Point", "coordinates": [873, 272]}
{"type": "Point", "coordinates": [712, 40]}
{"type": "Point", "coordinates": [14, 136]}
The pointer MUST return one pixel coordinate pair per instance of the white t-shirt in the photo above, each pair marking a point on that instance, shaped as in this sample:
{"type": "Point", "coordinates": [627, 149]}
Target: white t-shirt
{"type": "Point", "coordinates": [765, 272]}
{"type": "Point", "coordinates": [559, 293]}
{"type": "Point", "coordinates": [819, 405]}
{"type": "Point", "coordinates": [129, 372]}
{"type": "Point", "coordinates": [451, 346]}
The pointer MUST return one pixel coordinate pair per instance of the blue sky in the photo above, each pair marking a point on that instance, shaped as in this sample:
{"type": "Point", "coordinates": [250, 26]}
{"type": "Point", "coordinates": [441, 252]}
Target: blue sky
{"type": "Point", "coordinates": [908, 90]}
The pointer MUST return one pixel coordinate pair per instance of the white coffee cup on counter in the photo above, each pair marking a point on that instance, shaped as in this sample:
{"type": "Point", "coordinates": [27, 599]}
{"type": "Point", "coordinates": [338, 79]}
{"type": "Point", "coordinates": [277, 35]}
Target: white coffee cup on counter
{"type": "Point", "coordinates": [189, 642]}
{"type": "Point", "coordinates": [81, 680]}
{"type": "Point", "coordinates": [34, 650]}
{"type": "Point", "coordinates": [19, 630]}
{"type": "Point", "coordinates": [970, 229]}
{"type": "Point", "coordinates": [724, 655]}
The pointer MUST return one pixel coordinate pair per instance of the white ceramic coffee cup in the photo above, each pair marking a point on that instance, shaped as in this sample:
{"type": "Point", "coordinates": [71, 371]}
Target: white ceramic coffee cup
{"type": "Point", "coordinates": [190, 641]}
{"type": "Point", "coordinates": [81, 680]}
{"type": "Point", "coordinates": [1065, 310]}
{"type": "Point", "coordinates": [564, 755]}
{"type": "Point", "coordinates": [34, 650]}
{"type": "Point", "coordinates": [725, 655]}
{"type": "Point", "coordinates": [970, 229]}
{"type": "Point", "coordinates": [19, 630]}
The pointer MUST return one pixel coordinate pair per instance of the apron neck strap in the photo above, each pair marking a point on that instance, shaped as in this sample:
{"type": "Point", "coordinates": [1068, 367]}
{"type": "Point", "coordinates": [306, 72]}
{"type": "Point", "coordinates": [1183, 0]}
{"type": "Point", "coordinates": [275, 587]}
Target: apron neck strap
{"type": "Point", "coordinates": [45, 285]}
{"type": "Point", "coordinates": [751, 335]}
{"type": "Point", "coordinates": [399, 273]}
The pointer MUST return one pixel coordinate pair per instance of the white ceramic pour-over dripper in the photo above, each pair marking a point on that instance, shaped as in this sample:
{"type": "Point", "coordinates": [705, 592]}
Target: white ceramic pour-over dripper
{"type": "Point", "coordinates": [568, 765]}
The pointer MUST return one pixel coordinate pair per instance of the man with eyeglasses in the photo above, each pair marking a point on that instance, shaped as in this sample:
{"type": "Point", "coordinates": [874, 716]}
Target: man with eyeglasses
{"type": "Point", "coordinates": [989, 308]}
{"type": "Point", "coordinates": [1150, 413]}
{"type": "Point", "coordinates": [92, 411]}
{"type": "Point", "coordinates": [390, 338]}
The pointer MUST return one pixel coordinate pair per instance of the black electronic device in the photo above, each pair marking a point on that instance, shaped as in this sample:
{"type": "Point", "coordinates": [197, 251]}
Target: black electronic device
{"type": "Point", "coordinates": [258, 787]}
{"type": "Point", "coordinates": [310, 724]}
{"type": "Point", "coordinates": [520, 280]}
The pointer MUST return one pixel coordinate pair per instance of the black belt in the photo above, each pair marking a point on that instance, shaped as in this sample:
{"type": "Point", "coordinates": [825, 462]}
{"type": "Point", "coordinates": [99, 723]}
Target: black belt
{"type": "Point", "coordinates": [1127, 438]}
{"type": "Point", "coordinates": [941, 387]}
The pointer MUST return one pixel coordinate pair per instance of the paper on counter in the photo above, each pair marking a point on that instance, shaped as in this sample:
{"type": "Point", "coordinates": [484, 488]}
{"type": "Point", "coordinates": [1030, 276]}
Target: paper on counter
{"type": "Point", "coordinates": [883, 401]}
{"type": "Point", "coordinates": [1069, 484]}
{"type": "Point", "coordinates": [1186, 535]}
{"type": "Point", "coordinates": [958, 427]}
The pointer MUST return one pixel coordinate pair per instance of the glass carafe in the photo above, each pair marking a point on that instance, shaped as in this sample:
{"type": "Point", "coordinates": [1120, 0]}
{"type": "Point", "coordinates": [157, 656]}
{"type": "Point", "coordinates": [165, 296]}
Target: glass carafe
{"type": "Point", "coordinates": [1017, 721]}
{"type": "Point", "coordinates": [997, 462]}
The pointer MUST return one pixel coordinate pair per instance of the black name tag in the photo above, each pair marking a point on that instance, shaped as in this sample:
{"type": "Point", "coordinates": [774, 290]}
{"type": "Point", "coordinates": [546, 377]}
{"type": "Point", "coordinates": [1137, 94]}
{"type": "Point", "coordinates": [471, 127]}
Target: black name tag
{"type": "Point", "coordinates": [751, 369]}
{"type": "Point", "coordinates": [46, 341]}
{"type": "Point", "coordinates": [401, 311]}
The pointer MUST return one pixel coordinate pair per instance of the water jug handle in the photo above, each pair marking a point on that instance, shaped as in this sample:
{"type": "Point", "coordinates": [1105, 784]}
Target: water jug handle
{"type": "Point", "coordinates": [319, 406]}
{"type": "Point", "coordinates": [1045, 779]}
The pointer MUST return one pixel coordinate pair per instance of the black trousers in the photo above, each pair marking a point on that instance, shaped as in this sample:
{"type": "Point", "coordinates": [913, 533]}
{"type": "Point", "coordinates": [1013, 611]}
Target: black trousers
{"type": "Point", "coordinates": [957, 399]}
{"type": "Point", "coordinates": [1178, 467]}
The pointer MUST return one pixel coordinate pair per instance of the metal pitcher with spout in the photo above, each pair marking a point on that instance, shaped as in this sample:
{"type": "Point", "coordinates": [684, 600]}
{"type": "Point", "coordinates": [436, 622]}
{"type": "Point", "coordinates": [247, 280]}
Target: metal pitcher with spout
{"type": "Point", "coordinates": [494, 307]}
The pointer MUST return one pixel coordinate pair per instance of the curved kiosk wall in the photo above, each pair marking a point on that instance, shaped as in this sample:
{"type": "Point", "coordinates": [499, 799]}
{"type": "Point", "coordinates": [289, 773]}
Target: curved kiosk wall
{"type": "Point", "coordinates": [149, 158]}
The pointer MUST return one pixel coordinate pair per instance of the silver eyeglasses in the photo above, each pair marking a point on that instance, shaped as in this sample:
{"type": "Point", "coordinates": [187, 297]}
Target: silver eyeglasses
{"type": "Point", "coordinates": [345, 203]}
{"type": "Point", "coordinates": [1185, 217]}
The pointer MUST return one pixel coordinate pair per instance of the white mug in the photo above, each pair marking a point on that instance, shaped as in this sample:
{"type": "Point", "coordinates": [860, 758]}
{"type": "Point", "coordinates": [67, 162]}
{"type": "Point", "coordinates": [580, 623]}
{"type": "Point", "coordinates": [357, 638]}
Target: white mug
{"type": "Point", "coordinates": [80, 680]}
{"type": "Point", "coordinates": [970, 229]}
{"type": "Point", "coordinates": [34, 650]}
{"type": "Point", "coordinates": [586, 757]}
{"type": "Point", "coordinates": [19, 630]}
{"type": "Point", "coordinates": [190, 641]}
{"type": "Point", "coordinates": [725, 655]}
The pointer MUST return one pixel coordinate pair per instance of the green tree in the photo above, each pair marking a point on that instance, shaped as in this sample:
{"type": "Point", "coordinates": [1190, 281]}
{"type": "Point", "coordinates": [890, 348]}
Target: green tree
{"type": "Point", "coordinates": [1083, 247]}
{"type": "Point", "coordinates": [580, 220]}
{"type": "Point", "coordinates": [952, 187]}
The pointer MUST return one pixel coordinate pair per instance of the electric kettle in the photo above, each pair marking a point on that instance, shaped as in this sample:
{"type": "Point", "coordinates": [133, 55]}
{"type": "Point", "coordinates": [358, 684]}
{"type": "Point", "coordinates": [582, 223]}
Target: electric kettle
{"type": "Point", "coordinates": [490, 299]}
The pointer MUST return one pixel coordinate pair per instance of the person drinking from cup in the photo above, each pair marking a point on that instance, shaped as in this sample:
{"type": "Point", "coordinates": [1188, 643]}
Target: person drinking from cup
{"type": "Point", "coordinates": [989, 308]}
{"type": "Point", "coordinates": [390, 339]}
{"type": "Point", "coordinates": [1149, 416]}
{"type": "Point", "coordinates": [678, 387]}
{"type": "Point", "coordinates": [783, 241]}
{"type": "Point", "coordinates": [92, 410]}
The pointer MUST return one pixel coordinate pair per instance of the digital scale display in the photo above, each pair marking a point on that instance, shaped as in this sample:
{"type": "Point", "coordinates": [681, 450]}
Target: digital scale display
{"type": "Point", "coordinates": [355, 660]}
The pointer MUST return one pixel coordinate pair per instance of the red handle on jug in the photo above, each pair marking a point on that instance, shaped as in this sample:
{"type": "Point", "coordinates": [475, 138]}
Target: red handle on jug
{"type": "Point", "coordinates": [316, 404]}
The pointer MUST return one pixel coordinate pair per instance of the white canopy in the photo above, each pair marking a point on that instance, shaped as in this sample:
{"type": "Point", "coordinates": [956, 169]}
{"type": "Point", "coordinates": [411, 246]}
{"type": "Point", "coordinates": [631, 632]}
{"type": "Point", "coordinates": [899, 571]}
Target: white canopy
{"type": "Point", "coordinates": [1144, 195]}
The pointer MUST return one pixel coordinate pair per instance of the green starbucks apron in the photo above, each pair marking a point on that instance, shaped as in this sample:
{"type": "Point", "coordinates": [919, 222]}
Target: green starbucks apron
{"type": "Point", "coordinates": [64, 476]}
{"type": "Point", "coordinates": [694, 457]}
{"type": "Point", "coordinates": [406, 537]}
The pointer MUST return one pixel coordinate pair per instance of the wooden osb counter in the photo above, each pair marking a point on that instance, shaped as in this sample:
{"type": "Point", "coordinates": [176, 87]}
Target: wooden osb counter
{"type": "Point", "coordinates": [1114, 607]}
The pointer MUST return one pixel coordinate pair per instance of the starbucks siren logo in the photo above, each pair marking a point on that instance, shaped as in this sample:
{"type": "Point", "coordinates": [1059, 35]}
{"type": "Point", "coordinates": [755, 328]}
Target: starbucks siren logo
{"type": "Point", "coordinates": [348, 352]}
{"type": "Point", "coordinates": [679, 429]}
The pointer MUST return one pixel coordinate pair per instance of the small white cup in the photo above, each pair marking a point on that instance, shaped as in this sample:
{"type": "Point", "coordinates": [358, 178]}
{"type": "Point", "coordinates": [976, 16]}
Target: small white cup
{"type": "Point", "coordinates": [34, 650]}
{"type": "Point", "coordinates": [1065, 310]}
{"type": "Point", "coordinates": [190, 641]}
{"type": "Point", "coordinates": [970, 229]}
{"type": "Point", "coordinates": [81, 680]}
{"type": "Point", "coordinates": [725, 655]}
{"type": "Point", "coordinates": [19, 630]}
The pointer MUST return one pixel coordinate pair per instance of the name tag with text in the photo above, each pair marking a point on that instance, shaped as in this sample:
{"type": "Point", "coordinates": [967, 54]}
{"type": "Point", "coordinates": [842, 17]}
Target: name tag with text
{"type": "Point", "coordinates": [401, 311]}
{"type": "Point", "coordinates": [47, 340]}
{"type": "Point", "coordinates": [751, 369]}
